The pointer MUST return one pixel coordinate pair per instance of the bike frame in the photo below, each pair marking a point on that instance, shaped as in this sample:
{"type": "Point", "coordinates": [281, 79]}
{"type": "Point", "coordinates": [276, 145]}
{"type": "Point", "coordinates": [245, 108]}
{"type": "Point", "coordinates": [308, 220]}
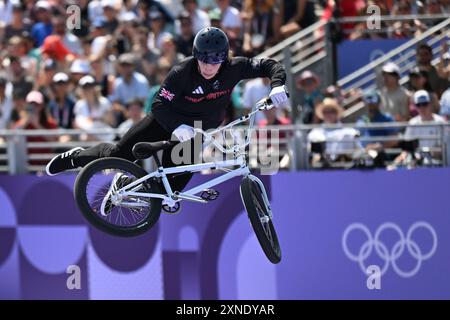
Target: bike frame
{"type": "Point", "coordinates": [190, 195]}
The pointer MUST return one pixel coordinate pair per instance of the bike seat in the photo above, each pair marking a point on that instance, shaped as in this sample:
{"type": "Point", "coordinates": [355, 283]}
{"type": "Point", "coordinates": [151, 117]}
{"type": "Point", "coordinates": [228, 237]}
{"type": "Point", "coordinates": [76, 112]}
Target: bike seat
{"type": "Point", "coordinates": [144, 150]}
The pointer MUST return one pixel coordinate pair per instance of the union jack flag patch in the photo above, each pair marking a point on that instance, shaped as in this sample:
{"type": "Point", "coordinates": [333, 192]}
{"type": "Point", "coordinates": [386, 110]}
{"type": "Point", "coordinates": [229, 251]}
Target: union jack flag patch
{"type": "Point", "coordinates": [166, 94]}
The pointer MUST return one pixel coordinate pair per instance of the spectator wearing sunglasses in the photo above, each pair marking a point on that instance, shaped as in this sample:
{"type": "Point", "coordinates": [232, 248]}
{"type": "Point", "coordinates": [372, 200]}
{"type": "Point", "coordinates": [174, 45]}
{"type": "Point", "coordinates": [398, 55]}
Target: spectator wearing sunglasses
{"type": "Point", "coordinates": [422, 101]}
{"type": "Point", "coordinates": [372, 102]}
{"type": "Point", "coordinates": [418, 80]}
{"type": "Point", "coordinates": [338, 140]}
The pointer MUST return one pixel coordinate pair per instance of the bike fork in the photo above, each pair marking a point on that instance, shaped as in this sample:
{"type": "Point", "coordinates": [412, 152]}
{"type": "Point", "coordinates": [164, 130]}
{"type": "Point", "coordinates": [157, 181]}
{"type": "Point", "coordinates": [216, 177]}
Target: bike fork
{"type": "Point", "coordinates": [264, 193]}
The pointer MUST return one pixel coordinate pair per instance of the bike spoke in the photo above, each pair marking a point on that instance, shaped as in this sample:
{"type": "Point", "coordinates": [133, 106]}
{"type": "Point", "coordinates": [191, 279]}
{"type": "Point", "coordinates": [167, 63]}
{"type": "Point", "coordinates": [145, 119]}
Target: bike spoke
{"type": "Point", "coordinates": [120, 215]}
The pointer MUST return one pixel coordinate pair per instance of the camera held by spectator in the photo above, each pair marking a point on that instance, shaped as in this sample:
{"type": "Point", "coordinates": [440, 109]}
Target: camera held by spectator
{"type": "Point", "coordinates": [369, 159]}
{"type": "Point", "coordinates": [413, 156]}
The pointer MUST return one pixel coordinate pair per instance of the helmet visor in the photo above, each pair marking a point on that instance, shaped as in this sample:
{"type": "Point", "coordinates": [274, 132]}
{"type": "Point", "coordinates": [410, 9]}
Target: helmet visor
{"type": "Point", "coordinates": [212, 58]}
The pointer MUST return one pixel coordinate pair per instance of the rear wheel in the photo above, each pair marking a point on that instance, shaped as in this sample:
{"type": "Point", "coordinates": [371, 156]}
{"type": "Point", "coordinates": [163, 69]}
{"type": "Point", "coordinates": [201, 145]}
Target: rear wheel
{"type": "Point", "coordinates": [132, 215]}
{"type": "Point", "coordinates": [258, 213]}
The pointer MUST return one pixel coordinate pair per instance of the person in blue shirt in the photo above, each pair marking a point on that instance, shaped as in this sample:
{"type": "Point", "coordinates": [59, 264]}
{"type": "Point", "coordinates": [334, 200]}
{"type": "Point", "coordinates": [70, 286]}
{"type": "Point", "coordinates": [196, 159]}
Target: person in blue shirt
{"type": "Point", "coordinates": [372, 101]}
{"type": "Point", "coordinates": [130, 84]}
{"type": "Point", "coordinates": [43, 28]}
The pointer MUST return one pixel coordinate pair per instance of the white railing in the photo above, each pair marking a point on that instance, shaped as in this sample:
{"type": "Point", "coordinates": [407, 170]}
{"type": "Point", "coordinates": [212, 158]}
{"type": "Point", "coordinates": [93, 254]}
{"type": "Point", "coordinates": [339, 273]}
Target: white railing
{"type": "Point", "coordinates": [300, 51]}
{"type": "Point", "coordinates": [293, 146]}
{"type": "Point", "coordinates": [305, 47]}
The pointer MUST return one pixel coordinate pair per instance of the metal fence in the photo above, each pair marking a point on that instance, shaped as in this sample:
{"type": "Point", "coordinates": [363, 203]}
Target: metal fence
{"type": "Point", "coordinates": [19, 155]}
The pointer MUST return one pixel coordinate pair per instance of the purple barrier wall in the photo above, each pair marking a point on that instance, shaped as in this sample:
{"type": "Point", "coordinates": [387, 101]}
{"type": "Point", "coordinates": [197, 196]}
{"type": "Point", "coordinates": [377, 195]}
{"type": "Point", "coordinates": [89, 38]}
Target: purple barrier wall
{"type": "Point", "coordinates": [331, 225]}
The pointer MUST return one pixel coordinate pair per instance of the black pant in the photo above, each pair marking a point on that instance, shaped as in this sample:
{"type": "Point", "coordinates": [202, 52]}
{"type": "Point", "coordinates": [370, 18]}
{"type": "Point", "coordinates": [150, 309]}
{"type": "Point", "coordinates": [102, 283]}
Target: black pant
{"type": "Point", "coordinates": [146, 130]}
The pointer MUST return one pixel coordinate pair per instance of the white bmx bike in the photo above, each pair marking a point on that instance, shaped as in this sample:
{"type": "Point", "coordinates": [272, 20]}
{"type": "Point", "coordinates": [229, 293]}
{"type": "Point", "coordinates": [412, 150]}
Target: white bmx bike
{"type": "Point", "coordinates": [119, 197]}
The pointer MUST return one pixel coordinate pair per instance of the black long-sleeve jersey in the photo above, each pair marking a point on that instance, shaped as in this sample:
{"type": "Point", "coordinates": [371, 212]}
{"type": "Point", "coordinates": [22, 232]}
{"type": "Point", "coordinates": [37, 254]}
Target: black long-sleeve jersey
{"type": "Point", "coordinates": [186, 96]}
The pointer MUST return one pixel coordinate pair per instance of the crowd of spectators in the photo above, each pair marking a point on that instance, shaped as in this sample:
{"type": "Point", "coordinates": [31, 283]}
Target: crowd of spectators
{"type": "Point", "coordinates": [424, 99]}
{"type": "Point", "coordinates": [93, 67]}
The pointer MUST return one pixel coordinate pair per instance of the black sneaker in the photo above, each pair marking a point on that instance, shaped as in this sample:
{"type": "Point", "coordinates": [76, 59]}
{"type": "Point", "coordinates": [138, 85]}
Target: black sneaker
{"type": "Point", "coordinates": [62, 162]}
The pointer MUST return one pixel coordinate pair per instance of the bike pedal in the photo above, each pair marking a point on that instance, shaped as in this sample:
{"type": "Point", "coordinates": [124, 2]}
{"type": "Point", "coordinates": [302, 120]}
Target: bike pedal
{"type": "Point", "coordinates": [209, 194]}
{"type": "Point", "coordinates": [171, 210]}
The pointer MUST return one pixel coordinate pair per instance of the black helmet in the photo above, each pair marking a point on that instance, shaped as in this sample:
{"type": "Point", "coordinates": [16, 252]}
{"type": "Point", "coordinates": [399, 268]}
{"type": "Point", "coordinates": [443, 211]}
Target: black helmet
{"type": "Point", "coordinates": [211, 46]}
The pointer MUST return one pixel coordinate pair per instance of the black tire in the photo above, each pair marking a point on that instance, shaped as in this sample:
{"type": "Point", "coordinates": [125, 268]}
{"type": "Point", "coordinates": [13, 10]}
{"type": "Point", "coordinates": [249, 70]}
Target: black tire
{"type": "Point", "coordinates": [100, 222]}
{"type": "Point", "coordinates": [254, 204]}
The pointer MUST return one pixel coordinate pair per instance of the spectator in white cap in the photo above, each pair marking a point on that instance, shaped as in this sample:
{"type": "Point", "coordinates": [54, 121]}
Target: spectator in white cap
{"type": "Point", "coordinates": [78, 69]}
{"type": "Point", "coordinates": [445, 104]}
{"type": "Point", "coordinates": [62, 104]}
{"type": "Point", "coordinates": [43, 27]}
{"type": "Point", "coordinates": [93, 111]}
{"type": "Point", "coordinates": [395, 98]}
{"type": "Point", "coordinates": [422, 101]}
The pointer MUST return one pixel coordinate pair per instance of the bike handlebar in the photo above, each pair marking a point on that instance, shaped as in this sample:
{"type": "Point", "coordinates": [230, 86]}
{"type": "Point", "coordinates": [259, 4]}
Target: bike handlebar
{"type": "Point", "coordinates": [264, 104]}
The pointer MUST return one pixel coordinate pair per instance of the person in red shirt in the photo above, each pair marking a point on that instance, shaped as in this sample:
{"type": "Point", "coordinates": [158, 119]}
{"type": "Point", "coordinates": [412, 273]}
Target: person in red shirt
{"type": "Point", "coordinates": [54, 48]}
{"type": "Point", "coordinates": [347, 8]}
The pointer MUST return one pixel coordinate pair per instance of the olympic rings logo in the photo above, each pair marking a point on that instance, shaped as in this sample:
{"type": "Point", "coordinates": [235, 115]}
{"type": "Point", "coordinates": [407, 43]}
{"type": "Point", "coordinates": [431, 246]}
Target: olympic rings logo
{"type": "Point", "coordinates": [390, 257]}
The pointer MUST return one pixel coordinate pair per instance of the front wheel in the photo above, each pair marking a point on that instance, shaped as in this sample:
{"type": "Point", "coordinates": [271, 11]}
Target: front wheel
{"type": "Point", "coordinates": [260, 218]}
{"type": "Point", "coordinates": [134, 215]}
